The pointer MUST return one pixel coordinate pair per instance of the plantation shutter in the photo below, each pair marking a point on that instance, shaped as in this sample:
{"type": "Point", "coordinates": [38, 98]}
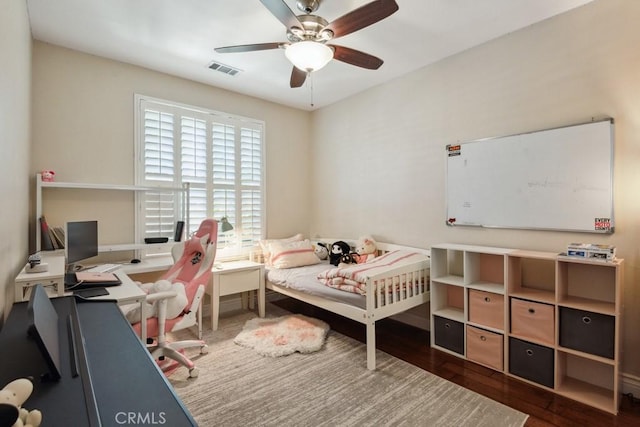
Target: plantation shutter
{"type": "Point", "coordinates": [251, 185]}
{"type": "Point", "coordinates": [219, 156]}
{"type": "Point", "coordinates": [194, 167]}
{"type": "Point", "coordinates": [159, 168]}
{"type": "Point", "coordinates": [224, 178]}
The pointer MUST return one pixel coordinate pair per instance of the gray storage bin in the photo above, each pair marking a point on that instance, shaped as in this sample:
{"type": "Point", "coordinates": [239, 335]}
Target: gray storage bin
{"type": "Point", "coordinates": [592, 333]}
{"type": "Point", "coordinates": [531, 361]}
{"type": "Point", "coordinates": [449, 334]}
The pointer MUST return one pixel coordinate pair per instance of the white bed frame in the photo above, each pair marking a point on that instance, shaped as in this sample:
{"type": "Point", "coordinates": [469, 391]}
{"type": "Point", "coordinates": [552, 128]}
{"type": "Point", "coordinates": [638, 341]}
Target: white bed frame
{"type": "Point", "coordinates": [400, 301]}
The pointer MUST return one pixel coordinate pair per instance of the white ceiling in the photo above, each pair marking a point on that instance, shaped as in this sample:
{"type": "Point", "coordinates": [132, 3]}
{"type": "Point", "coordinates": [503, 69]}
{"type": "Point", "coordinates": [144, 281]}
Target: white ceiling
{"type": "Point", "coordinates": [178, 38]}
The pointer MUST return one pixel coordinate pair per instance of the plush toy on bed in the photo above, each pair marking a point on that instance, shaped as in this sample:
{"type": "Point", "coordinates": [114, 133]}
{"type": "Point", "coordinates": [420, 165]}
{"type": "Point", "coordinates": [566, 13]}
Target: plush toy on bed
{"type": "Point", "coordinates": [321, 250]}
{"type": "Point", "coordinates": [366, 250]}
{"type": "Point", "coordinates": [338, 249]}
{"type": "Point", "coordinates": [12, 414]}
{"type": "Point", "coordinates": [347, 259]}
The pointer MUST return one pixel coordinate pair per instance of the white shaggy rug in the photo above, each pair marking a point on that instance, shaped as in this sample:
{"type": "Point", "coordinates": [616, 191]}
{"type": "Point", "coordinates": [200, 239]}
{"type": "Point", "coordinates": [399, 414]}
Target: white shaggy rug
{"type": "Point", "coordinates": [284, 335]}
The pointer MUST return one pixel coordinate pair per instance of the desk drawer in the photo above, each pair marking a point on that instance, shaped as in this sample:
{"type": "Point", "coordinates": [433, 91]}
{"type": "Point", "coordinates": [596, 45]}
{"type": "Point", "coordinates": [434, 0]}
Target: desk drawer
{"type": "Point", "coordinates": [533, 320]}
{"type": "Point", "coordinates": [486, 308]}
{"type": "Point", "coordinates": [237, 281]}
{"type": "Point", "coordinates": [485, 348]}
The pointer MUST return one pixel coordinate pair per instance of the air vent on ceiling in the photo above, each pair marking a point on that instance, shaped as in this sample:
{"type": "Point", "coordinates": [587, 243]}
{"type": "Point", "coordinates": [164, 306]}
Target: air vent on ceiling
{"type": "Point", "coordinates": [226, 69]}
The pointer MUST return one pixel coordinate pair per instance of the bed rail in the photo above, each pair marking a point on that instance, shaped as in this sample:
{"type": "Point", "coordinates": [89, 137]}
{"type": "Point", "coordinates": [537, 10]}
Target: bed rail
{"type": "Point", "coordinates": [399, 284]}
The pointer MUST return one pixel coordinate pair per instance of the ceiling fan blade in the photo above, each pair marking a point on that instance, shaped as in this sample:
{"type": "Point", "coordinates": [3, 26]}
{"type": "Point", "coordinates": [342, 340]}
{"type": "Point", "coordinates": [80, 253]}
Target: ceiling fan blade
{"type": "Point", "coordinates": [362, 17]}
{"type": "Point", "coordinates": [297, 77]}
{"type": "Point", "coordinates": [355, 57]}
{"type": "Point", "coordinates": [281, 11]}
{"type": "Point", "coordinates": [248, 47]}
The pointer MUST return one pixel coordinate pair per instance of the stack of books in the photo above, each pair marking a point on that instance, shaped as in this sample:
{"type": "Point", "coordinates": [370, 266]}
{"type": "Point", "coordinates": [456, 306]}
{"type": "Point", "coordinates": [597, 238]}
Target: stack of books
{"type": "Point", "coordinates": [592, 251]}
{"type": "Point", "coordinates": [51, 238]}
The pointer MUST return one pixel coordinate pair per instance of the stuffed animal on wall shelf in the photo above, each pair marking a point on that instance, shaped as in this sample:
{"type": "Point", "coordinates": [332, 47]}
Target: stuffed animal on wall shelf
{"type": "Point", "coordinates": [366, 250]}
{"type": "Point", "coordinates": [338, 249]}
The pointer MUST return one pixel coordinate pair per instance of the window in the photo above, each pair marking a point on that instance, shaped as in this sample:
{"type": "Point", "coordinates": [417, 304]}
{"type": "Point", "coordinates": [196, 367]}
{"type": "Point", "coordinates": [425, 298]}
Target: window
{"type": "Point", "coordinates": [219, 156]}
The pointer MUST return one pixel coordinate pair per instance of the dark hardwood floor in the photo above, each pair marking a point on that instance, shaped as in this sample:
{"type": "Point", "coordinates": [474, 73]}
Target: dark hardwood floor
{"type": "Point", "coordinates": [412, 345]}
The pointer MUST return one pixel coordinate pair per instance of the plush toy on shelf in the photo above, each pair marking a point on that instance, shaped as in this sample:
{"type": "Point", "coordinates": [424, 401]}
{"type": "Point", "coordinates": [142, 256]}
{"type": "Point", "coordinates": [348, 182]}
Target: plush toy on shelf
{"type": "Point", "coordinates": [12, 414]}
{"type": "Point", "coordinates": [366, 250]}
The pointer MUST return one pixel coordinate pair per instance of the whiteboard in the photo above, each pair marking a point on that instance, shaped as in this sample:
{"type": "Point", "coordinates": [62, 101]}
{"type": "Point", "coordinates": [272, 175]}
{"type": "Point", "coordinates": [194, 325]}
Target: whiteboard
{"type": "Point", "coordinates": [557, 179]}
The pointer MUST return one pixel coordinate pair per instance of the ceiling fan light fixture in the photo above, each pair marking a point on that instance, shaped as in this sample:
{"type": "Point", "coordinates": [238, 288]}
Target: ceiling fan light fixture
{"type": "Point", "coordinates": [308, 55]}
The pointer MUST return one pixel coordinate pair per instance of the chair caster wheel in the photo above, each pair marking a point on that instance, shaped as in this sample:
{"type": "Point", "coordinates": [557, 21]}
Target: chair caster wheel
{"type": "Point", "coordinates": [204, 349]}
{"type": "Point", "coordinates": [193, 372]}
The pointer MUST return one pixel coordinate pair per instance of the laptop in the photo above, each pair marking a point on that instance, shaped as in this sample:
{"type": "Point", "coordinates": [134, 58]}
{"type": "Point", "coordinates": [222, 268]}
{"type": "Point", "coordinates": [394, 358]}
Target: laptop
{"type": "Point", "coordinates": [87, 279]}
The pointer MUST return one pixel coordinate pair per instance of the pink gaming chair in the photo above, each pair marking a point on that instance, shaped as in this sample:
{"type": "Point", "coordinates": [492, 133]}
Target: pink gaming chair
{"type": "Point", "coordinates": [193, 262]}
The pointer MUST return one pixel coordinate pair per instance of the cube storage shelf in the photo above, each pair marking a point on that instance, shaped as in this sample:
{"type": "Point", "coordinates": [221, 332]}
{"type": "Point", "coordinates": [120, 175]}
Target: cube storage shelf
{"type": "Point", "coordinates": [550, 320]}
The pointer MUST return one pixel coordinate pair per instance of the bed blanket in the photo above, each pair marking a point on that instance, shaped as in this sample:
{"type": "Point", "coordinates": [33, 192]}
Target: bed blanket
{"type": "Point", "coordinates": [353, 278]}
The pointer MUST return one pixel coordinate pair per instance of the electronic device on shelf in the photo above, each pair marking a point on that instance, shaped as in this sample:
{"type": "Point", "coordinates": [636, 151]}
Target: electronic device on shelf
{"type": "Point", "coordinates": [81, 242]}
{"type": "Point", "coordinates": [35, 264]}
{"type": "Point", "coordinates": [156, 239]}
{"type": "Point", "coordinates": [34, 260]}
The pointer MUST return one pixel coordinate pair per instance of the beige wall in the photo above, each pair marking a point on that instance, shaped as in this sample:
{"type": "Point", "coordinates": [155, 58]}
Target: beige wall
{"type": "Point", "coordinates": [15, 104]}
{"type": "Point", "coordinates": [83, 129]}
{"type": "Point", "coordinates": [389, 141]}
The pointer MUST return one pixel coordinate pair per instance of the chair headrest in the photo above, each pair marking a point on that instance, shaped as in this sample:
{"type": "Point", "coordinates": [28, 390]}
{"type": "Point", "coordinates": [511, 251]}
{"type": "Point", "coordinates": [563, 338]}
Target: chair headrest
{"type": "Point", "coordinates": [208, 227]}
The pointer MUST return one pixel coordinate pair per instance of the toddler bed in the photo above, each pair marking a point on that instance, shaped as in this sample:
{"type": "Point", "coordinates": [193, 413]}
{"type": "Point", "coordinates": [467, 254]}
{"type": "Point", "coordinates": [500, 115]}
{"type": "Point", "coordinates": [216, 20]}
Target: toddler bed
{"type": "Point", "coordinates": [395, 281]}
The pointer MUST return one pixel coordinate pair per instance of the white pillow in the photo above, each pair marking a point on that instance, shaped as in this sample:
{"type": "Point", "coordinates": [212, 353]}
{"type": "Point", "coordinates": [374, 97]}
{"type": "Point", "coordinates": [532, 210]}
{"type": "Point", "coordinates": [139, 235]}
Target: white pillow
{"type": "Point", "coordinates": [266, 252]}
{"type": "Point", "coordinates": [292, 254]}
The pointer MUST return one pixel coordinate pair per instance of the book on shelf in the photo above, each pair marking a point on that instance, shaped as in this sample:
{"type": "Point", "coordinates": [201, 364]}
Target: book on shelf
{"type": "Point", "coordinates": [51, 238]}
{"type": "Point", "coordinates": [45, 237]}
{"type": "Point", "coordinates": [57, 236]}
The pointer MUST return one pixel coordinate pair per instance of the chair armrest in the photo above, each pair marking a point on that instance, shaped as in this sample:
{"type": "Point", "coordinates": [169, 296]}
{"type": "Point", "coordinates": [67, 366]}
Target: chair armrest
{"type": "Point", "coordinates": [160, 296]}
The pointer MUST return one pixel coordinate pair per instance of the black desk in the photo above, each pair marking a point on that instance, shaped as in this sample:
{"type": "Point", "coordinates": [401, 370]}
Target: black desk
{"type": "Point", "coordinates": [128, 387]}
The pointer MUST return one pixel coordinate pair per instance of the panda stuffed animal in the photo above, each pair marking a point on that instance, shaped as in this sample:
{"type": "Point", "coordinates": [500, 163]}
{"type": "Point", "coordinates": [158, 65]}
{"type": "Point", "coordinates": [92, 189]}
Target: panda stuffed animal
{"type": "Point", "coordinates": [321, 251]}
{"type": "Point", "coordinates": [338, 249]}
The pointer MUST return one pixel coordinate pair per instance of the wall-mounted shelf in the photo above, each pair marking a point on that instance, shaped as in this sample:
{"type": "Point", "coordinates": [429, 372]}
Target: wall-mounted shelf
{"type": "Point", "coordinates": [42, 186]}
{"type": "Point", "coordinates": [89, 186]}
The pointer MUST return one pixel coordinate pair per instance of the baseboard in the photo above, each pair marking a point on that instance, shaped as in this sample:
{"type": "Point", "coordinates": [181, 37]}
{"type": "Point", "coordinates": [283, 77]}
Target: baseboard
{"type": "Point", "coordinates": [412, 319]}
{"type": "Point", "coordinates": [226, 306]}
{"type": "Point", "coordinates": [631, 384]}
{"type": "Point", "coordinates": [271, 296]}
{"type": "Point", "coordinates": [234, 302]}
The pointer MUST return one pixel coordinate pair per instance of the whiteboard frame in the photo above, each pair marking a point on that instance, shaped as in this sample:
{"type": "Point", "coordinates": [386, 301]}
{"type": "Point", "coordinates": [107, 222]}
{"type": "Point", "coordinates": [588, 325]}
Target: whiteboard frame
{"type": "Point", "coordinates": [611, 230]}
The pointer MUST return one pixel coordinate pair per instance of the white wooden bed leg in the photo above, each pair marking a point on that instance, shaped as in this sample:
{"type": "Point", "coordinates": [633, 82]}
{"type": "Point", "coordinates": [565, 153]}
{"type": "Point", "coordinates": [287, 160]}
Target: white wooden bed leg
{"type": "Point", "coordinates": [371, 345]}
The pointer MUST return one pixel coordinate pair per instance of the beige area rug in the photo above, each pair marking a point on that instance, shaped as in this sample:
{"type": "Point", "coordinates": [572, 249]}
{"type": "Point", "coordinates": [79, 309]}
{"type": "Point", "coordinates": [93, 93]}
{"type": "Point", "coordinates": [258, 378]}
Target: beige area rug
{"type": "Point", "coordinates": [331, 387]}
{"type": "Point", "coordinates": [281, 336]}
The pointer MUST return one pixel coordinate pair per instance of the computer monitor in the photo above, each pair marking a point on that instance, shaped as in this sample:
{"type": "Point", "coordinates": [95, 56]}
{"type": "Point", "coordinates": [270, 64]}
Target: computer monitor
{"type": "Point", "coordinates": [81, 241]}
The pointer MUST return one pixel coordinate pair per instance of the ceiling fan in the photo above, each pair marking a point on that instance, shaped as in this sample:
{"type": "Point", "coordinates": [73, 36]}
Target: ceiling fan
{"type": "Point", "coordinates": [308, 34]}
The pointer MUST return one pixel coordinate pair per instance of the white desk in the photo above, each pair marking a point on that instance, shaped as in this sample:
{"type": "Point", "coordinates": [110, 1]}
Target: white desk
{"type": "Point", "coordinates": [52, 279]}
{"type": "Point", "coordinates": [53, 282]}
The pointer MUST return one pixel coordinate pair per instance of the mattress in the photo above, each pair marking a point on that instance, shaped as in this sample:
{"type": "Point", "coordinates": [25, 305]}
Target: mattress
{"type": "Point", "coordinates": [305, 279]}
